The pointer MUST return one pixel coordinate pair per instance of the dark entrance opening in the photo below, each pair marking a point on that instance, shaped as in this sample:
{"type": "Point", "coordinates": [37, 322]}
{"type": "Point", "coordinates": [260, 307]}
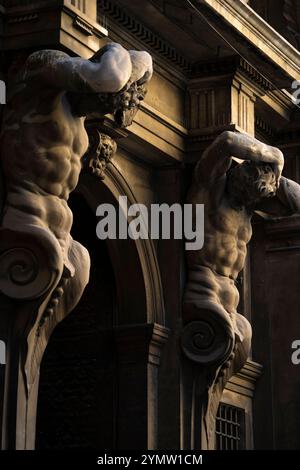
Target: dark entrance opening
{"type": "Point", "coordinates": [77, 393]}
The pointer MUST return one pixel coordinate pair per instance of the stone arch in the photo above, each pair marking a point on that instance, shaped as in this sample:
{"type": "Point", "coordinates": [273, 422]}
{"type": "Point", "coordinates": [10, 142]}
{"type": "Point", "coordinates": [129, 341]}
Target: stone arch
{"type": "Point", "coordinates": [139, 324]}
{"type": "Point", "coordinates": [138, 256]}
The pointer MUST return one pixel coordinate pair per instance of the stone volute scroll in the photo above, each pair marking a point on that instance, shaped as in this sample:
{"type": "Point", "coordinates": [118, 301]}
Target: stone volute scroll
{"type": "Point", "coordinates": [216, 339]}
{"type": "Point", "coordinates": [43, 146]}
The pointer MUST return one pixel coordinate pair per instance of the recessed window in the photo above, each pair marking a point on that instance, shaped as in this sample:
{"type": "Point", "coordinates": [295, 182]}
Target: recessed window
{"type": "Point", "coordinates": [230, 428]}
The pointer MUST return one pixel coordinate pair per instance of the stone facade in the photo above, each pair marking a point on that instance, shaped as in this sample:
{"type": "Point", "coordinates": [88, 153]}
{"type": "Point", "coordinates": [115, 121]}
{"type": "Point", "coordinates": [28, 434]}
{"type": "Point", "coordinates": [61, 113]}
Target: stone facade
{"type": "Point", "coordinates": [116, 370]}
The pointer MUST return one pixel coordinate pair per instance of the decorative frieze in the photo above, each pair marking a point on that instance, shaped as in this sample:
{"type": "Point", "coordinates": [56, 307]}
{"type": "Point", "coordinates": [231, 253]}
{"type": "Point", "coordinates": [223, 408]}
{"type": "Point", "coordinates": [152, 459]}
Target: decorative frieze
{"type": "Point", "coordinates": [23, 18]}
{"type": "Point", "coordinates": [143, 33]}
{"type": "Point", "coordinates": [264, 129]}
{"type": "Point", "coordinates": [229, 65]}
{"type": "Point", "coordinates": [221, 96]}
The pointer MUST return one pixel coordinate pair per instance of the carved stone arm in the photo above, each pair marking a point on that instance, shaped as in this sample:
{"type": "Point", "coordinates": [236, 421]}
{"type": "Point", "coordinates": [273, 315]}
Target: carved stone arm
{"type": "Point", "coordinates": [216, 159]}
{"type": "Point", "coordinates": [108, 71]}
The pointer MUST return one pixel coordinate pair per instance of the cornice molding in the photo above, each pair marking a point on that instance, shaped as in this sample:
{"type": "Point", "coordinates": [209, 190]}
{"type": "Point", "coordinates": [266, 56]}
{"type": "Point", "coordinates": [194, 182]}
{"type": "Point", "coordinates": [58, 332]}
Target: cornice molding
{"type": "Point", "coordinates": [254, 75]}
{"type": "Point", "coordinates": [23, 18]}
{"type": "Point", "coordinates": [154, 42]}
{"type": "Point", "coordinates": [280, 101]}
{"type": "Point", "coordinates": [84, 22]}
{"type": "Point", "coordinates": [244, 381]}
{"type": "Point", "coordinates": [258, 33]}
{"type": "Point", "coordinates": [51, 23]}
{"type": "Point", "coordinates": [264, 129]}
{"type": "Point", "coordinates": [290, 15]}
{"type": "Point", "coordinates": [283, 138]}
{"type": "Point", "coordinates": [230, 65]}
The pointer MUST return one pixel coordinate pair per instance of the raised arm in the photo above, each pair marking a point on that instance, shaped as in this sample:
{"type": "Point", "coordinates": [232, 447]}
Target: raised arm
{"type": "Point", "coordinates": [216, 159]}
{"type": "Point", "coordinates": [108, 71]}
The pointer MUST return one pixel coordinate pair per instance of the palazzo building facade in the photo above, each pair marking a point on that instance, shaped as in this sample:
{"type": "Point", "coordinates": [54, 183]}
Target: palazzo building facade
{"type": "Point", "coordinates": [114, 374]}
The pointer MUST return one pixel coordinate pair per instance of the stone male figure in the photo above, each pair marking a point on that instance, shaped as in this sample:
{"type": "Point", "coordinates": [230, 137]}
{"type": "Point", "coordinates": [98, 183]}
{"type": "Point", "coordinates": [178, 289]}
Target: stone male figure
{"type": "Point", "coordinates": [231, 195]}
{"type": "Point", "coordinates": [41, 145]}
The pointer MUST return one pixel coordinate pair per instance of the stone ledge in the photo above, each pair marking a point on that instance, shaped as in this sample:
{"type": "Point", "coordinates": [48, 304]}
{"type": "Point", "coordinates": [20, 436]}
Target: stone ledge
{"type": "Point", "coordinates": [256, 31]}
{"type": "Point", "coordinates": [259, 33]}
{"type": "Point", "coordinates": [244, 381]}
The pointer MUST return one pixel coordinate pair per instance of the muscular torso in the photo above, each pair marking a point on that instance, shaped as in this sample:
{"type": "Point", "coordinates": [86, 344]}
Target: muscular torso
{"type": "Point", "coordinates": [41, 147]}
{"type": "Point", "coordinates": [226, 233]}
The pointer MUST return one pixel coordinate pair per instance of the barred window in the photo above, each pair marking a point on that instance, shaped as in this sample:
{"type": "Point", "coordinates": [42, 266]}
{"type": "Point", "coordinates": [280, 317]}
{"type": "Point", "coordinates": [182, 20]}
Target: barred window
{"type": "Point", "coordinates": [230, 428]}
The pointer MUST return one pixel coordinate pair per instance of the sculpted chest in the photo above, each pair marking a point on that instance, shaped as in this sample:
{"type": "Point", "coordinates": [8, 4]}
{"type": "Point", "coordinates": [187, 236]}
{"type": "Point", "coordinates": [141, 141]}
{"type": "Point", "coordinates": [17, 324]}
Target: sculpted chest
{"type": "Point", "coordinates": [230, 221]}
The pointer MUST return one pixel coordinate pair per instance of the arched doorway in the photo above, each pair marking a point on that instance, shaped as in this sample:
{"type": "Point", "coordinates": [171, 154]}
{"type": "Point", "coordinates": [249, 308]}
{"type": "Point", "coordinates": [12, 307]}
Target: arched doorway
{"type": "Point", "coordinates": [98, 377]}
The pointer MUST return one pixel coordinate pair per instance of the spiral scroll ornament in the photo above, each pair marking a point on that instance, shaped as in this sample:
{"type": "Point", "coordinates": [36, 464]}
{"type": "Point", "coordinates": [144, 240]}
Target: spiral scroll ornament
{"type": "Point", "coordinates": [24, 273]}
{"type": "Point", "coordinates": [206, 342]}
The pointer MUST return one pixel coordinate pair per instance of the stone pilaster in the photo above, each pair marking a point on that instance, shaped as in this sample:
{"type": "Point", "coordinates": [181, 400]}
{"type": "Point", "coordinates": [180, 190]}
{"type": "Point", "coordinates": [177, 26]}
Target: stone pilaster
{"type": "Point", "coordinates": [138, 349]}
{"type": "Point", "coordinates": [221, 96]}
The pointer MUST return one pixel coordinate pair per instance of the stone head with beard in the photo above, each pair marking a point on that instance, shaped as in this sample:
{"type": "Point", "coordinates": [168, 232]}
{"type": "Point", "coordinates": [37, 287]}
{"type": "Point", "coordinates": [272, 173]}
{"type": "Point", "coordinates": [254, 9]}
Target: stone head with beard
{"type": "Point", "coordinates": [249, 182]}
